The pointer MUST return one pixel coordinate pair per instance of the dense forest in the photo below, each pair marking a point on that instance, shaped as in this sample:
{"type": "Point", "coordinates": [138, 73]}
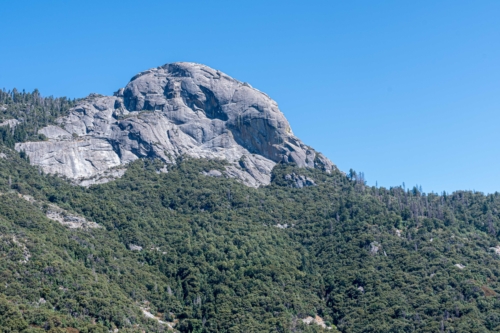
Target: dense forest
{"type": "Point", "coordinates": [206, 254]}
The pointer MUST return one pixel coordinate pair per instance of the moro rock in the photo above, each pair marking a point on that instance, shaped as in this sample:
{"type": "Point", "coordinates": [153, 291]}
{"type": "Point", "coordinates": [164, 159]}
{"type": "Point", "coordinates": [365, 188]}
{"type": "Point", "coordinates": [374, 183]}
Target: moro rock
{"type": "Point", "coordinates": [167, 112]}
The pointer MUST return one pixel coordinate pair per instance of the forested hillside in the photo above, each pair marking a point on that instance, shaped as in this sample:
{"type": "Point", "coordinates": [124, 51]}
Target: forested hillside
{"type": "Point", "coordinates": [30, 112]}
{"type": "Point", "coordinates": [209, 254]}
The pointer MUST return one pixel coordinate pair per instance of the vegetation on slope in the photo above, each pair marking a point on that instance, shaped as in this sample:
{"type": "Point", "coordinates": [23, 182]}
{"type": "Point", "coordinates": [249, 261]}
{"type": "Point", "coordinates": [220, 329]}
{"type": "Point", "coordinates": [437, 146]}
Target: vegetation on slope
{"type": "Point", "coordinates": [209, 268]}
{"type": "Point", "coordinates": [218, 256]}
{"type": "Point", "coordinates": [33, 113]}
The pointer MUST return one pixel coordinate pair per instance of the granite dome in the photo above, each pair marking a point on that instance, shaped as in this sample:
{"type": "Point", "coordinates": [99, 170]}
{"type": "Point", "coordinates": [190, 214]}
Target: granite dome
{"type": "Point", "coordinates": [166, 112]}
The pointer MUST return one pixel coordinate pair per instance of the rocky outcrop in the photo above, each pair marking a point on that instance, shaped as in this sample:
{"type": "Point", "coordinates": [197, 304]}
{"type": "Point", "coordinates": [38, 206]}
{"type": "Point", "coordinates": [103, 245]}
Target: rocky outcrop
{"type": "Point", "coordinates": [316, 320]}
{"type": "Point", "coordinates": [299, 181]}
{"type": "Point", "coordinates": [166, 112]}
{"type": "Point", "coordinates": [133, 247]}
{"type": "Point", "coordinates": [56, 213]}
{"type": "Point", "coordinates": [12, 123]}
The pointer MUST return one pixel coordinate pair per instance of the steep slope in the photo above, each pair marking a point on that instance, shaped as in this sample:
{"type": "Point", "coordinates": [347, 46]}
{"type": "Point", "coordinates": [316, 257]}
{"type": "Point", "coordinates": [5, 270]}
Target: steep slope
{"type": "Point", "coordinates": [167, 112]}
{"type": "Point", "coordinates": [209, 254]}
{"type": "Point", "coordinates": [160, 255]}
{"type": "Point", "coordinates": [223, 257]}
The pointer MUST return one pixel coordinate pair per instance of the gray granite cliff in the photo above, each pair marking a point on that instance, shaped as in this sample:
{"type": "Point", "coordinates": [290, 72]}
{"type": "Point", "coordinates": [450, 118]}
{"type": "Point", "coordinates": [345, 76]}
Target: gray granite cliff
{"type": "Point", "coordinates": [173, 110]}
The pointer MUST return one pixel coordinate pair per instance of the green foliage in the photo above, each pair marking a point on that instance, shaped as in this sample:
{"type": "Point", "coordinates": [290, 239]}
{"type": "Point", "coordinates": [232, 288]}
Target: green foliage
{"type": "Point", "coordinates": [203, 264]}
{"type": "Point", "coordinates": [218, 256]}
{"type": "Point", "coordinates": [33, 113]}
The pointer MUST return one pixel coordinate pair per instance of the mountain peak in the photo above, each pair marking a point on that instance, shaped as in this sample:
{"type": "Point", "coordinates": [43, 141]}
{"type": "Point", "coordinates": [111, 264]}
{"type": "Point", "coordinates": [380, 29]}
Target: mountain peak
{"type": "Point", "coordinates": [165, 112]}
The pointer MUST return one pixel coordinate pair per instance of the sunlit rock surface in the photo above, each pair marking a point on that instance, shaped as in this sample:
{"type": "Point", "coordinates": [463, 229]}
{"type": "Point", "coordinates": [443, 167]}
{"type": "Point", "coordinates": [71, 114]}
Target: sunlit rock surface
{"type": "Point", "coordinates": [166, 112]}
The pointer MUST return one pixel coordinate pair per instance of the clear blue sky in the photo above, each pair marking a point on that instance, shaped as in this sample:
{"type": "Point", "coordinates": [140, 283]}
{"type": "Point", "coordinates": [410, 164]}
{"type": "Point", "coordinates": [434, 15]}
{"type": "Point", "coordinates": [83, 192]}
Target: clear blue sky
{"type": "Point", "coordinates": [405, 91]}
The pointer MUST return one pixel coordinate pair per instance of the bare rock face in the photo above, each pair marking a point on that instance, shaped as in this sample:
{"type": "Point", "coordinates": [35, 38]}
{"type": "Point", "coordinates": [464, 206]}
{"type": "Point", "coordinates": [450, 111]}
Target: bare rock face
{"type": "Point", "coordinates": [9, 122]}
{"type": "Point", "coordinates": [166, 112]}
{"type": "Point", "coordinates": [299, 181]}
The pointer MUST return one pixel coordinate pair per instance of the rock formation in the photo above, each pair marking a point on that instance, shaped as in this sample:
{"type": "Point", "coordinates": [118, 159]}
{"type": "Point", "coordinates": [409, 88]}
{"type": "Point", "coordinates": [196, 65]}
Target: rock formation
{"type": "Point", "coordinates": [10, 122]}
{"type": "Point", "coordinates": [166, 112]}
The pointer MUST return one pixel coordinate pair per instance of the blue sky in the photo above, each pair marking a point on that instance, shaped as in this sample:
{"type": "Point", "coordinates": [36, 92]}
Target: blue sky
{"type": "Point", "coordinates": [405, 91]}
